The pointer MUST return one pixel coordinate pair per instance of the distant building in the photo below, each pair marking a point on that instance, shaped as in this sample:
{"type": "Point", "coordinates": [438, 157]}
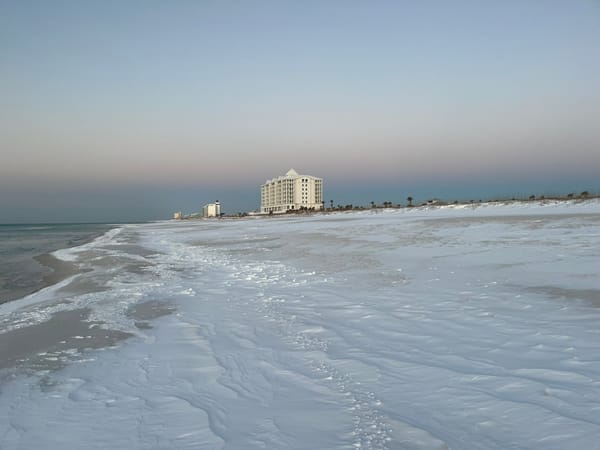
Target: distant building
{"type": "Point", "coordinates": [291, 192]}
{"type": "Point", "coordinates": [212, 210]}
{"type": "Point", "coordinates": [178, 215]}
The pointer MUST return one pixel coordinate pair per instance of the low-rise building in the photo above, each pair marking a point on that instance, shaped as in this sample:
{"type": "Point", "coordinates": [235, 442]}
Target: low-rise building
{"type": "Point", "coordinates": [178, 215]}
{"type": "Point", "coordinates": [291, 192]}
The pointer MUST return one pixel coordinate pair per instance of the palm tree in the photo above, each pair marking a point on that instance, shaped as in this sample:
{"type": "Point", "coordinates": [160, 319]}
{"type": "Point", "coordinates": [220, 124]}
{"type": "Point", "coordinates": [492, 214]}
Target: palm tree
{"type": "Point", "coordinates": [409, 200]}
{"type": "Point", "coordinates": [331, 204]}
{"type": "Point", "coordinates": [372, 204]}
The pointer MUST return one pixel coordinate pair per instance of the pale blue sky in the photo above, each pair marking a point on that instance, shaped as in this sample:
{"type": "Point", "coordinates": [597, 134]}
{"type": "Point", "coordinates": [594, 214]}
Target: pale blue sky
{"type": "Point", "coordinates": [125, 110]}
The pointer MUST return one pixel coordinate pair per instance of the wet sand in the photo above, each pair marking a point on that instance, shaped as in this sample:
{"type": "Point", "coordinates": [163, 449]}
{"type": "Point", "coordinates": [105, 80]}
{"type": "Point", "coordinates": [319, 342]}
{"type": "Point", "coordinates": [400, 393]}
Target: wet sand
{"type": "Point", "coordinates": [43, 270]}
{"type": "Point", "coordinates": [60, 269]}
{"type": "Point", "coordinates": [144, 312]}
{"type": "Point", "coordinates": [51, 344]}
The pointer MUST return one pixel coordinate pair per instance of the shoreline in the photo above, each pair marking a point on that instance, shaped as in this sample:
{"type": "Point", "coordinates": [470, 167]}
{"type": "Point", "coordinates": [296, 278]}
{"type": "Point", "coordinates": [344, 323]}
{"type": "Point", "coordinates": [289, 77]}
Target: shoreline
{"type": "Point", "coordinates": [431, 205]}
{"type": "Point", "coordinates": [59, 269]}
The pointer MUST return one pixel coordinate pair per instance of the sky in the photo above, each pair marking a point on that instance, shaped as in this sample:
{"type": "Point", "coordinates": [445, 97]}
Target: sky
{"type": "Point", "coordinates": [131, 110]}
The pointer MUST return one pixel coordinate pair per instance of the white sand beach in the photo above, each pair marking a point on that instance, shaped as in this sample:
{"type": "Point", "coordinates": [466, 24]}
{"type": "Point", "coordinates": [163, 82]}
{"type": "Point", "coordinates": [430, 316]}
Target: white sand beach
{"type": "Point", "coordinates": [459, 327]}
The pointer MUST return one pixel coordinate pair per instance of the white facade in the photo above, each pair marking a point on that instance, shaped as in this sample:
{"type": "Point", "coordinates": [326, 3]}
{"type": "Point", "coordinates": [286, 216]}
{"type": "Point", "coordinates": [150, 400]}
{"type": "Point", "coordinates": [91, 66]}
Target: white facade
{"type": "Point", "coordinates": [291, 192]}
{"type": "Point", "coordinates": [178, 215]}
{"type": "Point", "coordinates": [212, 210]}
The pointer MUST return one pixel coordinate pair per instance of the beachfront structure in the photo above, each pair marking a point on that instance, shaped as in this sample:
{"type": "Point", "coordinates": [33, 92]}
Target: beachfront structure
{"type": "Point", "coordinates": [291, 192]}
{"type": "Point", "coordinates": [212, 210]}
{"type": "Point", "coordinates": [178, 215]}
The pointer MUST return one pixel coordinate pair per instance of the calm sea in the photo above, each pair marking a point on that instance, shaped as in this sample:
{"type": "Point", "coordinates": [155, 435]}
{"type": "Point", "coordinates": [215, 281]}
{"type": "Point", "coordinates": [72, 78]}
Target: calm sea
{"type": "Point", "coordinates": [20, 273]}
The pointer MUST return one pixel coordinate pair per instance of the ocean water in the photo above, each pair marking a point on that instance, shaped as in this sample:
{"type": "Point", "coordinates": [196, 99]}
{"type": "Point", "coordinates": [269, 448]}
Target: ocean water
{"type": "Point", "coordinates": [424, 328]}
{"type": "Point", "coordinates": [20, 245]}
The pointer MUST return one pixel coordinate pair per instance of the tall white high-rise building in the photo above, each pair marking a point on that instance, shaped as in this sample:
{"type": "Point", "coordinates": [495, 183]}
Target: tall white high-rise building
{"type": "Point", "coordinates": [291, 192]}
{"type": "Point", "coordinates": [212, 210]}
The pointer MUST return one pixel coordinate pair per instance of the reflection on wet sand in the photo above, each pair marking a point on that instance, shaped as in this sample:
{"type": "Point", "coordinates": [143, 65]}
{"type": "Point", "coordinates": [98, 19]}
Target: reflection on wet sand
{"type": "Point", "coordinates": [53, 343]}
